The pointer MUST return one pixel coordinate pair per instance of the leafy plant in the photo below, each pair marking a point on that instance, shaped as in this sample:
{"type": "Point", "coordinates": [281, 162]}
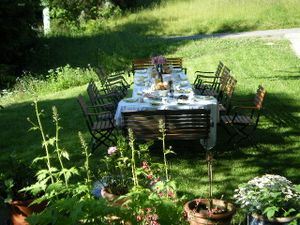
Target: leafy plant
{"type": "Point", "coordinates": [151, 198]}
{"type": "Point", "coordinates": [54, 181]}
{"type": "Point", "coordinates": [17, 177]}
{"type": "Point", "coordinates": [269, 195]}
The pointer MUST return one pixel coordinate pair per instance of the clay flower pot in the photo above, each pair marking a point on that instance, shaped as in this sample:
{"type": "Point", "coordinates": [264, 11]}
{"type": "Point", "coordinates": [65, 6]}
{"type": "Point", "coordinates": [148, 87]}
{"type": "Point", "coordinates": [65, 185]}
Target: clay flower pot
{"type": "Point", "coordinates": [19, 210]}
{"type": "Point", "coordinates": [198, 214]}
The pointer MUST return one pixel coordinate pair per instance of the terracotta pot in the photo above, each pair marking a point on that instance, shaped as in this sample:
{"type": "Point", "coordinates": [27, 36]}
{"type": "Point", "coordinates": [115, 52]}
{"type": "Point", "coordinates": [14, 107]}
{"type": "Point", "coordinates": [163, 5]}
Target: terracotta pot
{"type": "Point", "coordinates": [19, 210]}
{"type": "Point", "coordinates": [196, 217]}
{"type": "Point", "coordinates": [255, 219]}
{"type": "Point", "coordinates": [112, 197]}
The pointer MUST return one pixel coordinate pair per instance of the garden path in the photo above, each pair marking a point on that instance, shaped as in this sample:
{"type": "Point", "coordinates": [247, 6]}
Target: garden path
{"type": "Point", "coordinates": [293, 35]}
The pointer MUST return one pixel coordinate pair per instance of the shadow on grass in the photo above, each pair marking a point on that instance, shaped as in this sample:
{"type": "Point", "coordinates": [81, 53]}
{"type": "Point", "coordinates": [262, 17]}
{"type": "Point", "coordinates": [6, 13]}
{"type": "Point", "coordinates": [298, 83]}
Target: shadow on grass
{"type": "Point", "coordinates": [109, 48]}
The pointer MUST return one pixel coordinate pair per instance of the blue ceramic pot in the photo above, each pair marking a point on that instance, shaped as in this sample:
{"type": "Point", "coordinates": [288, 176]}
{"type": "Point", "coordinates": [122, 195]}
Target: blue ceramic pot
{"type": "Point", "coordinates": [254, 219]}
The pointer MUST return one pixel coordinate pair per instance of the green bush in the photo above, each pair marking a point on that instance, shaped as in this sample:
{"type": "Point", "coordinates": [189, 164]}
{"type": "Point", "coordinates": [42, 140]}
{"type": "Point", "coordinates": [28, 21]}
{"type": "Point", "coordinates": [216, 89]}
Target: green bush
{"type": "Point", "coordinates": [57, 79]}
{"type": "Point", "coordinates": [78, 11]}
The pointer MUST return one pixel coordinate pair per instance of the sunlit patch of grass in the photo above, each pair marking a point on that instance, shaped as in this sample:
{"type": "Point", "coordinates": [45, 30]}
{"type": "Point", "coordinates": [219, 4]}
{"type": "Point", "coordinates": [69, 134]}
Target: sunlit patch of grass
{"type": "Point", "coordinates": [206, 16]}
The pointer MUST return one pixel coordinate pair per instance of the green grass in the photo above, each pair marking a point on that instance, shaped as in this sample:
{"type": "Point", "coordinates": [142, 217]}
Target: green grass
{"type": "Point", "coordinates": [252, 61]}
{"type": "Point", "coordinates": [187, 17]}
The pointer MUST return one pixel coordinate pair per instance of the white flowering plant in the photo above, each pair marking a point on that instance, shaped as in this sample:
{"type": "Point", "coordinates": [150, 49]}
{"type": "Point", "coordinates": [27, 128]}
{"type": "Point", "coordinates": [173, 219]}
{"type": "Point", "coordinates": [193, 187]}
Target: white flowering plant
{"type": "Point", "coordinates": [269, 195]}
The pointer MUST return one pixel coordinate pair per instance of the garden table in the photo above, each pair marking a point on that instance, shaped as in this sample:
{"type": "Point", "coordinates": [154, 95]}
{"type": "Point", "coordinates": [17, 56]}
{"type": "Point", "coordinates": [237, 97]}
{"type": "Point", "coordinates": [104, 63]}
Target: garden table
{"type": "Point", "coordinates": [145, 97]}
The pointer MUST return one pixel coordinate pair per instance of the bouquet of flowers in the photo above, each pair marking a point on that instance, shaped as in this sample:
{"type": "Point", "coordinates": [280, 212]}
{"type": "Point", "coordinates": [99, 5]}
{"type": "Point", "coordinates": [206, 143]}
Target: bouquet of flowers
{"type": "Point", "coordinates": [158, 60]}
{"type": "Point", "coordinates": [269, 195]}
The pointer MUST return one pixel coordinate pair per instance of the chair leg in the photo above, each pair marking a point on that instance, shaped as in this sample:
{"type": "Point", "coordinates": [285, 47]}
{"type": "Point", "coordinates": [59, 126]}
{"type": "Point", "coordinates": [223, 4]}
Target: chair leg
{"type": "Point", "coordinates": [248, 136]}
{"type": "Point", "coordinates": [102, 138]}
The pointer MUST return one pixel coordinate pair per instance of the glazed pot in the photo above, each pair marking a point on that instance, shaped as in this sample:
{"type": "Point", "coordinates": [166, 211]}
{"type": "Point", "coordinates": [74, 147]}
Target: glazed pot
{"type": "Point", "coordinates": [196, 216]}
{"type": "Point", "coordinates": [255, 219]}
{"type": "Point", "coordinates": [20, 210]}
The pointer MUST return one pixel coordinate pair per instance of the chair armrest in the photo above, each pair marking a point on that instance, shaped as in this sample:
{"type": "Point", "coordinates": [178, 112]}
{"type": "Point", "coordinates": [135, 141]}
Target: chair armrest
{"type": "Point", "coordinates": [199, 71]}
{"type": "Point", "coordinates": [237, 110]}
{"type": "Point", "coordinates": [106, 105]}
{"type": "Point", "coordinates": [199, 76]}
{"type": "Point", "coordinates": [99, 113]}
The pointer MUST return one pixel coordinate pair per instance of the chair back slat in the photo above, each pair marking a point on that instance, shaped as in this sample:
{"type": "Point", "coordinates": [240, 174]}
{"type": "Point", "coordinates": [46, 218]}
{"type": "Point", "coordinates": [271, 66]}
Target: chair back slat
{"type": "Point", "coordinates": [84, 108]}
{"type": "Point", "coordinates": [219, 69]}
{"type": "Point", "coordinates": [259, 97]}
{"type": "Point", "coordinates": [176, 62]}
{"type": "Point", "coordinates": [144, 124]}
{"type": "Point", "coordinates": [187, 124]}
{"type": "Point", "coordinates": [139, 64]}
{"type": "Point", "coordinates": [102, 75]}
{"type": "Point", "coordinates": [191, 124]}
{"type": "Point", "coordinates": [93, 92]}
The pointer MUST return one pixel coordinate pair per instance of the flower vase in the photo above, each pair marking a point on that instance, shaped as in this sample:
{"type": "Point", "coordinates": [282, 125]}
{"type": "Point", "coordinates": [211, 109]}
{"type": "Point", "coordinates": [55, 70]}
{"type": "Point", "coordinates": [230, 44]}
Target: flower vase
{"type": "Point", "coordinates": [159, 69]}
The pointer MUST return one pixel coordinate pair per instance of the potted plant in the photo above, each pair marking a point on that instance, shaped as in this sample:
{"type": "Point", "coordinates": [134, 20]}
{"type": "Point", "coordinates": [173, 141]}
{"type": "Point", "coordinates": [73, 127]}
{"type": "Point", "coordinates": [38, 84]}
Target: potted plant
{"type": "Point", "coordinates": [18, 176]}
{"type": "Point", "coordinates": [269, 199]}
{"type": "Point", "coordinates": [209, 211]}
{"type": "Point", "coordinates": [150, 195]}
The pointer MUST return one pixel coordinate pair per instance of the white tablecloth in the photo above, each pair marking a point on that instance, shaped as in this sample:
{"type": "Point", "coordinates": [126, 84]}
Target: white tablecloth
{"type": "Point", "coordinates": [144, 84]}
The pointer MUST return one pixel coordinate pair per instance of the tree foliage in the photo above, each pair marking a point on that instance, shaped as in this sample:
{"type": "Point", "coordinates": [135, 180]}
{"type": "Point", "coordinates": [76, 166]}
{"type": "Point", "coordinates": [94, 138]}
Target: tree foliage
{"type": "Point", "coordinates": [17, 20]}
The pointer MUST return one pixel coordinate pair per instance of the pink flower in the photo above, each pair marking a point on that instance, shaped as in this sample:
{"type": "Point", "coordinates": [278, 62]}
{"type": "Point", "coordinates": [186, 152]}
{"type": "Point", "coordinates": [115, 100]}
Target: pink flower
{"type": "Point", "coordinates": [139, 218]}
{"type": "Point", "coordinates": [145, 165]}
{"type": "Point", "coordinates": [112, 150]}
{"type": "Point", "coordinates": [150, 176]}
{"type": "Point", "coordinates": [161, 60]}
{"type": "Point", "coordinates": [154, 60]}
{"type": "Point", "coordinates": [158, 60]}
{"type": "Point", "coordinates": [171, 194]}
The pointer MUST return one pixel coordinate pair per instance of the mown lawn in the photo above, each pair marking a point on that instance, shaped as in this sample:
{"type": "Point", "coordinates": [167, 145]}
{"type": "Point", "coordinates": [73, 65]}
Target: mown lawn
{"type": "Point", "coordinates": [269, 62]}
{"type": "Point", "coordinates": [187, 17]}
{"type": "Point", "coordinates": [253, 62]}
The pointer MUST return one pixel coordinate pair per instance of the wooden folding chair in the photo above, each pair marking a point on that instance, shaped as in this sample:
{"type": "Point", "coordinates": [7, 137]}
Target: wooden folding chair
{"type": "Point", "coordinates": [226, 95]}
{"type": "Point", "coordinates": [219, 86]}
{"type": "Point", "coordinates": [243, 120]}
{"type": "Point", "coordinates": [140, 64]}
{"type": "Point", "coordinates": [114, 82]}
{"type": "Point", "coordinates": [176, 62]}
{"type": "Point", "coordinates": [100, 125]}
{"type": "Point", "coordinates": [102, 101]}
{"type": "Point", "coordinates": [208, 79]}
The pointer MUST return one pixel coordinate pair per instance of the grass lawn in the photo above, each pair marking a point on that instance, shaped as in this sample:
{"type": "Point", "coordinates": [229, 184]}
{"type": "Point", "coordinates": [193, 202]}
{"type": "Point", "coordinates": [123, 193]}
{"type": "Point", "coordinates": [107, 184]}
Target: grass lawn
{"type": "Point", "coordinates": [253, 62]}
{"type": "Point", "coordinates": [187, 17]}
{"type": "Point", "coordinates": [269, 62]}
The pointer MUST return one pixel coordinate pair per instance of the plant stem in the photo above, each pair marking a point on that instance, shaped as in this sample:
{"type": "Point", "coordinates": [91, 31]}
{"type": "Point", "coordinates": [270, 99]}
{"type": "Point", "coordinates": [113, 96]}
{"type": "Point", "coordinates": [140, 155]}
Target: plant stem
{"type": "Point", "coordinates": [133, 166]}
{"type": "Point", "coordinates": [45, 144]}
{"type": "Point", "coordinates": [58, 150]}
{"type": "Point", "coordinates": [209, 158]}
{"type": "Point", "coordinates": [162, 129]}
{"type": "Point", "coordinates": [87, 157]}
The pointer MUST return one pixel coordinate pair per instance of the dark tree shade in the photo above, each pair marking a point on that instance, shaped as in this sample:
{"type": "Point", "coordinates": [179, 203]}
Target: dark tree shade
{"type": "Point", "coordinates": [17, 20]}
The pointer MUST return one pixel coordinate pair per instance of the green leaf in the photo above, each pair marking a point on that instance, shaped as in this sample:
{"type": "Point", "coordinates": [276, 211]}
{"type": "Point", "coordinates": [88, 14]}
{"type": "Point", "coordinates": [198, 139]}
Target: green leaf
{"type": "Point", "coordinates": [270, 211]}
{"type": "Point", "coordinates": [168, 151]}
{"type": "Point", "coordinates": [65, 154]}
{"type": "Point", "coordinates": [287, 213]}
{"type": "Point", "coordinates": [36, 159]}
